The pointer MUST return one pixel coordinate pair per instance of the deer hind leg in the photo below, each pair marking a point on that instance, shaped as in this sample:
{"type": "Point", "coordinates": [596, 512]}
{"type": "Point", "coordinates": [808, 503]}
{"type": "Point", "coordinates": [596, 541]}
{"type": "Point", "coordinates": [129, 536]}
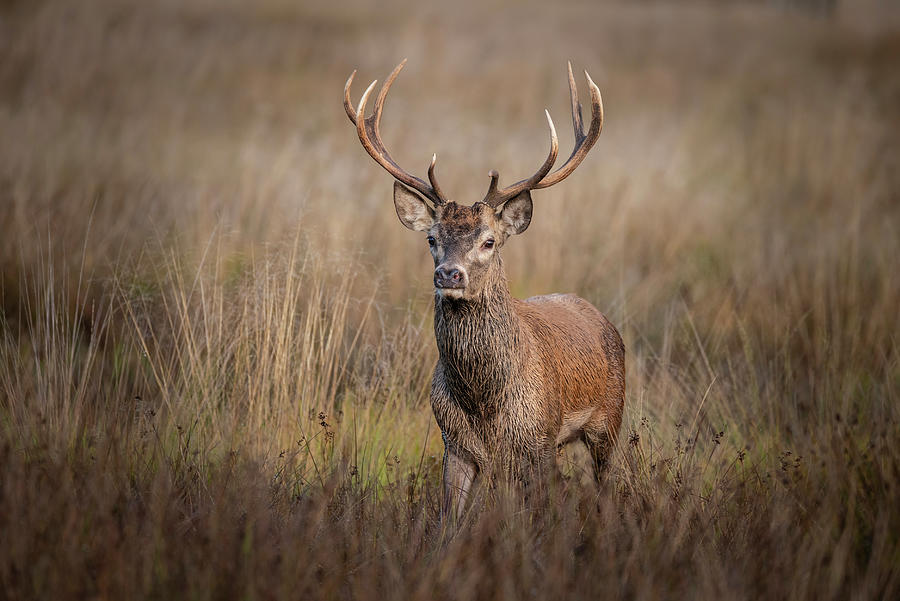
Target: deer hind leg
{"type": "Point", "coordinates": [598, 436]}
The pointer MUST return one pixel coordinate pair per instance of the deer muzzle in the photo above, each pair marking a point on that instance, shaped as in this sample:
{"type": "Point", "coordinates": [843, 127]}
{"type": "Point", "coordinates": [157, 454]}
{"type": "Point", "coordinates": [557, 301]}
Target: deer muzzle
{"type": "Point", "coordinates": [450, 277]}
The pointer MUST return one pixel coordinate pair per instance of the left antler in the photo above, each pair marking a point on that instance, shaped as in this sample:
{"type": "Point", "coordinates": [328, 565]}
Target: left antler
{"type": "Point", "coordinates": [583, 143]}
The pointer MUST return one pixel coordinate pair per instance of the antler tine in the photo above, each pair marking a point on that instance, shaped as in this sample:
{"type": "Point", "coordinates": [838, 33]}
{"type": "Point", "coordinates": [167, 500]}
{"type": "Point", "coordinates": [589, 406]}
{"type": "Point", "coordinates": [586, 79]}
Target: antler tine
{"type": "Point", "coordinates": [348, 104]}
{"type": "Point", "coordinates": [495, 197]}
{"type": "Point", "coordinates": [379, 100]}
{"type": "Point", "coordinates": [583, 143]}
{"type": "Point", "coordinates": [433, 180]}
{"type": "Point", "coordinates": [368, 129]}
{"type": "Point", "coordinates": [577, 123]}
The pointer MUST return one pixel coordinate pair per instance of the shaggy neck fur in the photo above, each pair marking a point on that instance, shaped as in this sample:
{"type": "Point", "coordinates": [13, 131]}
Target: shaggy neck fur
{"type": "Point", "coordinates": [478, 341]}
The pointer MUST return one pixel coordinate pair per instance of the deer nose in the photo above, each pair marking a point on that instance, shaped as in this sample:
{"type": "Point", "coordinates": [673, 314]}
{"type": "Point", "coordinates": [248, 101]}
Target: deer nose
{"type": "Point", "coordinates": [449, 276]}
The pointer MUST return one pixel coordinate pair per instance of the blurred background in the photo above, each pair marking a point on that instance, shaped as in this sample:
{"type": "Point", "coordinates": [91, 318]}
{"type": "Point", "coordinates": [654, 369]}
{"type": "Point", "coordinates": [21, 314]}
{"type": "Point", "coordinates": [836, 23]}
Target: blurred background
{"type": "Point", "coordinates": [193, 239]}
{"type": "Point", "coordinates": [759, 131]}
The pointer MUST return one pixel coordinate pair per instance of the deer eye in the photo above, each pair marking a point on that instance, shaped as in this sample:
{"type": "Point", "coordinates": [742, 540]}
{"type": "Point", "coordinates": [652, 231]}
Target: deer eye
{"type": "Point", "coordinates": [488, 244]}
{"type": "Point", "coordinates": [431, 241]}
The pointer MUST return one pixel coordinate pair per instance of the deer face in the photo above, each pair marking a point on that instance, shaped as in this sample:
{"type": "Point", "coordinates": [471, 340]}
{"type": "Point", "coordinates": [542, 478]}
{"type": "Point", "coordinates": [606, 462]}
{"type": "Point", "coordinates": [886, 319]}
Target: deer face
{"type": "Point", "coordinates": [464, 240]}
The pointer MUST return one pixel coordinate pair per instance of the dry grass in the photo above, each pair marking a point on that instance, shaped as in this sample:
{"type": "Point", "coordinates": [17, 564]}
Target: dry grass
{"type": "Point", "coordinates": [215, 344]}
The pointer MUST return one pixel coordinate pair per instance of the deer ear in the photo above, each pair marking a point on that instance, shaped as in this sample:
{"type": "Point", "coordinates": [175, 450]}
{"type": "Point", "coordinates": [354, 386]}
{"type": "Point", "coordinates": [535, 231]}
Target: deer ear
{"type": "Point", "coordinates": [413, 212]}
{"type": "Point", "coordinates": [515, 215]}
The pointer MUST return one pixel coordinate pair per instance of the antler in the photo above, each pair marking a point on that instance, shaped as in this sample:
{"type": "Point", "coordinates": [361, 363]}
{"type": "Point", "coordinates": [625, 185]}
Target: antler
{"type": "Point", "coordinates": [370, 136]}
{"type": "Point", "coordinates": [583, 143]}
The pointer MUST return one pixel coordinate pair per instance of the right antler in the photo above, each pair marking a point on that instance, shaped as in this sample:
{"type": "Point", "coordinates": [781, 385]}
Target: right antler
{"type": "Point", "coordinates": [370, 136]}
{"type": "Point", "coordinates": [583, 143]}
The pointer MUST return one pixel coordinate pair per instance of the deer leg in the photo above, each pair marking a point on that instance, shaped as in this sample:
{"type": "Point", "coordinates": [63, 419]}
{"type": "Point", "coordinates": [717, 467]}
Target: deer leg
{"type": "Point", "coordinates": [599, 442]}
{"type": "Point", "coordinates": [459, 475]}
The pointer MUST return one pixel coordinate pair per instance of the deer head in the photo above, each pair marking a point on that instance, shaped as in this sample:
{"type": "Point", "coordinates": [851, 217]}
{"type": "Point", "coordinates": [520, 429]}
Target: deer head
{"type": "Point", "coordinates": [465, 240]}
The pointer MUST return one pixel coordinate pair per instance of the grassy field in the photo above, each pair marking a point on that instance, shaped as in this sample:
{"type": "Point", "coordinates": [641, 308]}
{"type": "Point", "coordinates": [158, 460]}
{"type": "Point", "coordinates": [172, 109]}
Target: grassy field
{"type": "Point", "coordinates": [216, 344]}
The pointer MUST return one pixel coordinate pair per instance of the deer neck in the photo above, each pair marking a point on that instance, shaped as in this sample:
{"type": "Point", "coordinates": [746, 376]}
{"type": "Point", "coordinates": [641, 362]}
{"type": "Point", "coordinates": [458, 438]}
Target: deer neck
{"type": "Point", "coordinates": [479, 341]}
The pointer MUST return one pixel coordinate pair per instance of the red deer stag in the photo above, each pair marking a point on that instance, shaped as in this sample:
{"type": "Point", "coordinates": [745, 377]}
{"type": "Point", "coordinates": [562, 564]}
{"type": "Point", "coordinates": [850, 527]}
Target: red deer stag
{"type": "Point", "coordinates": [516, 379]}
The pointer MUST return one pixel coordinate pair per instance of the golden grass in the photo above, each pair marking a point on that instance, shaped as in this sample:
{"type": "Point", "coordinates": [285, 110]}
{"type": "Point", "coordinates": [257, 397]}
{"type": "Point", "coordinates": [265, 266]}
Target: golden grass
{"type": "Point", "coordinates": [215, 344]}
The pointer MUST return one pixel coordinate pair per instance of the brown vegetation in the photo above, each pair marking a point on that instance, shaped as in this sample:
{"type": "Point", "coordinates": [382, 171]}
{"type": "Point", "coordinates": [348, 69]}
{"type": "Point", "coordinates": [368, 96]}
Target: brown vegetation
{"type": "Point", "coordinates": [214, 382]}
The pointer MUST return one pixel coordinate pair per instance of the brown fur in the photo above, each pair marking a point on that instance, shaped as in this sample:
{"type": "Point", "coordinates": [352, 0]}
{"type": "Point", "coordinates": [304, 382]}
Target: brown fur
{"type": "Point", "coordinates": [516, 379]}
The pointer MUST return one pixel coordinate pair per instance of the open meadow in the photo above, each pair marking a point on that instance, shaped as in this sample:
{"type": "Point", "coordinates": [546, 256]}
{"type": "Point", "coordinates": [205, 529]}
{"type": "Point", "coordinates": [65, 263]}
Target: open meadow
{"type": "Point", "coordinates": [216, 339]}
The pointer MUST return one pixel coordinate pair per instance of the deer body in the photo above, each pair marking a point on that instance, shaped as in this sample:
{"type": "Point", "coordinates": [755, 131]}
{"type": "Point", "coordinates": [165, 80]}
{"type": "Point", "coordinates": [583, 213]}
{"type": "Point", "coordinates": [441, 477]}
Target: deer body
{"type": "Point", "coordinates": [516, 379]}
{"type": "Point", "coordinates": [535, 384]}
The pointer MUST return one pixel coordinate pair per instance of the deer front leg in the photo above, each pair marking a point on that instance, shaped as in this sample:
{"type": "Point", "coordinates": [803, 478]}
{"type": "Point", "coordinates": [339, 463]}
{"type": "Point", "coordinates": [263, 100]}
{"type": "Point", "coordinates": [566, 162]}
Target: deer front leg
{"type": "Point", "coordinates": [459, 475]}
